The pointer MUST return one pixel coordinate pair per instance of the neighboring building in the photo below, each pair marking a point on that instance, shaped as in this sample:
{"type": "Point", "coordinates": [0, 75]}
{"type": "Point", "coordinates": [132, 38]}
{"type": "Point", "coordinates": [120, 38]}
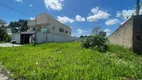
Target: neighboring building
{"type": "Point", "coordinates": [46, 23]}
{"type": "Point", "coordinates": [129, 34]}
{"type": "Point", "coordinates": [44, 28]}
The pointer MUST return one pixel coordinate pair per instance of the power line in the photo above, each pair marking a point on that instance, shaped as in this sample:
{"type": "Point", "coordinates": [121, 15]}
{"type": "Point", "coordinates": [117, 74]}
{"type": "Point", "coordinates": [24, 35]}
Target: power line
{"type": "Point", "coordinates": [5, 6]}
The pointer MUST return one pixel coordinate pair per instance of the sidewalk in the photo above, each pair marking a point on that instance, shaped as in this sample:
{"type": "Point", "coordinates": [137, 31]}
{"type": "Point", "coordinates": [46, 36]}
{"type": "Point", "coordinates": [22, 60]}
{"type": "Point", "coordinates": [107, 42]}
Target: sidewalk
{"type": "Point", "coordinates": [2, 77]}
{"type": "Point", "coordinates": [8, 45]}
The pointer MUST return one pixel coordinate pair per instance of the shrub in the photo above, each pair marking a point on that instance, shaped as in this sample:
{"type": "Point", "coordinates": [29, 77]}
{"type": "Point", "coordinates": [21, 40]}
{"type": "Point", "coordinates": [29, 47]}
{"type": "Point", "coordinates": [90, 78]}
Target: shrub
{"type": "Point", "coordinates": [96, 42]}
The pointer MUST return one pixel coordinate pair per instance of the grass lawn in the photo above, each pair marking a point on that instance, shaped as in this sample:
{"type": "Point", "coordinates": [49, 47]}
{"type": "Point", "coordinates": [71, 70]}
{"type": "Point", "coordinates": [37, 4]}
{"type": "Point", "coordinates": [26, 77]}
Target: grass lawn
{"type": "Point", "coordinates": [69, 61]}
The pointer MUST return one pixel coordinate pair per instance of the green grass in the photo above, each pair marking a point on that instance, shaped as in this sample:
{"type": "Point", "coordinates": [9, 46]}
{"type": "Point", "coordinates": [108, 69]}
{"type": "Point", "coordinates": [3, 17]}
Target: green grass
{"type": "Point", "coordinates": [69, 61]}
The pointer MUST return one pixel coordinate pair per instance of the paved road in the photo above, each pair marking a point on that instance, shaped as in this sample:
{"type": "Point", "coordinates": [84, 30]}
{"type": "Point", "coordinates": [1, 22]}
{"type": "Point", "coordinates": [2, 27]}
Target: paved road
{"type": "Point", "coordinates": [2, 77]}
{"type": "Point", "coordinates": [8, 45]}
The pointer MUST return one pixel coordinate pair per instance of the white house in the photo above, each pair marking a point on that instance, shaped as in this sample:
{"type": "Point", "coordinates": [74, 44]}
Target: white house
{"type": "Point", "coordinates": [44, 28]}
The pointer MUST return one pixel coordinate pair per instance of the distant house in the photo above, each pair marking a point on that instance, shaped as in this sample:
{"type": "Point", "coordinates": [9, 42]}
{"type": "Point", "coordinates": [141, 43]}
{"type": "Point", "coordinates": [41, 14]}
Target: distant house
{"type": "Point", "coordinates": [129, 34]}
{"type": "Point", "coordinates": [44, 28]}
{"type": "Point", "coordinates": [46, 23]}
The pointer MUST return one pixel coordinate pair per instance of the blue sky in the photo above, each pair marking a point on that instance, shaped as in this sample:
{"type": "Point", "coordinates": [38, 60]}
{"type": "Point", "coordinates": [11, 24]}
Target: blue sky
{"type": "Point", "coordinates": [80, 15]}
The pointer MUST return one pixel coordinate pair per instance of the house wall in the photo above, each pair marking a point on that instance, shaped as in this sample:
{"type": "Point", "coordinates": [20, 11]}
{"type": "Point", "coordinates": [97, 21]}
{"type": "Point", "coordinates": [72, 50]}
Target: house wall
{"type": "Point", "coordinates": [45, 21]}
{"type": "Point", "coordinates": [45, 37]}
{"type": "Point", "coordinates": [16, 37]}
{"type": "Point", "coordinates": [32, 22]}
{"type": "Point", "coordinates": [123, 35]}
{"type": "Point", "coordinates": [42, 19]}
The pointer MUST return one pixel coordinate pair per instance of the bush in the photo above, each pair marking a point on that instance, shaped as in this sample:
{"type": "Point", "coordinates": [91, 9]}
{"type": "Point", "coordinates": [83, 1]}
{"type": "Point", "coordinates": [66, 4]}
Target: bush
{"type": "Point", "coordinates": [96, 42]}
{"type": "Point", "coordinates": [7, 38]}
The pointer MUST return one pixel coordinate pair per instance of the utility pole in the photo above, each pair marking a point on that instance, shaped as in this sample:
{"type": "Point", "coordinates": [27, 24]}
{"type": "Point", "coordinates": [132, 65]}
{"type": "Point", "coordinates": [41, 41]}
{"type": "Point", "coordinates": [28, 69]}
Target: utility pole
{"type": "Point", "coordinates": [138, 7]}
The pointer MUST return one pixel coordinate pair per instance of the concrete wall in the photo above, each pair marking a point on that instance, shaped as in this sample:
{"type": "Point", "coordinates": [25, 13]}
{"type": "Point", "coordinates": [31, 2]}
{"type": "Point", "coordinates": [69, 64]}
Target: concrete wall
{"type": "Point", "coordinates": [16, 37]}
{"type": "Point", "coordinates": [123, 35]}
{"type": "Point", "coordinates": [47, 37]}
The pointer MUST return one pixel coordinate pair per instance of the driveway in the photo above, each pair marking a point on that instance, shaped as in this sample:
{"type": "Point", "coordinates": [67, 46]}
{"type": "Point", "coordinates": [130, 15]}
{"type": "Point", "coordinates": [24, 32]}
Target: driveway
{"type": "Point", "coordinates": [8, 45]}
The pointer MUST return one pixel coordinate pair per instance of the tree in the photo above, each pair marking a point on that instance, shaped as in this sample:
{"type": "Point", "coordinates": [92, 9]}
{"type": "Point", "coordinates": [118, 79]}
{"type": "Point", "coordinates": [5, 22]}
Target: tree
{"type": "Point", "coordinates": [2, 22]}
{"type": "Point", "coordinates": [98, 31]}
{"type": "Point", "coordinates": [102, 33]}
{"type": "Point", "coordinates": [3, 34]}
{"type": "Point", "coordinates": [83, 36]}
{"type": "Point", "coordinates": [18, 26]}
{"type": "Point", "coordinates": [95, 42]}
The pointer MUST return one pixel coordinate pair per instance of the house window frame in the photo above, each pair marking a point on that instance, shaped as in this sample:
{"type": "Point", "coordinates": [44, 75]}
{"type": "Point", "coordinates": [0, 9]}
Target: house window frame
{"type": "Point", "coordinates": [138, 37]}
{"type": "Point", "coordinates": [61, 29]}
{"type": "Point", "coordinates": [66, 32]}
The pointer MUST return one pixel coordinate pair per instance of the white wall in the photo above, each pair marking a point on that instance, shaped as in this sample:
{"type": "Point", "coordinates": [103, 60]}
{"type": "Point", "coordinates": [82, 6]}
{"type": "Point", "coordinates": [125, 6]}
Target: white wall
{"type": "Point", "coordinates": [16, 37]}
{"type": "Point", "coordinates": [46, 37]}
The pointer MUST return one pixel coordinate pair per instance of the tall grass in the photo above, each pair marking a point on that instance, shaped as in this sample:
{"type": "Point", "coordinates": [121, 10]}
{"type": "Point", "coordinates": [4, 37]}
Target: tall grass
{"type": "Point", "coordinates": [69, 61]}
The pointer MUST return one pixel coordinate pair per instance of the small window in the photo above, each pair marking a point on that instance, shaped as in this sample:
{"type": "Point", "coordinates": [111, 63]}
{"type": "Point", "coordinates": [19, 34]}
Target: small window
{"type": "Point", "coordinates": [66, 31]}
{"type": "Point", "coordinates": [53, 28]}
{"type": "Point", "coordinates": [138, 37]}
{"type": "Point", "coordinates": [61, 29]}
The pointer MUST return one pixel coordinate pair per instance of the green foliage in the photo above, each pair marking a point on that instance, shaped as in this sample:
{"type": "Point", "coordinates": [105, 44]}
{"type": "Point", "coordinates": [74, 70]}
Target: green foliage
{"type": "Point", "coordinates": [96, 42]}
{"type": "Point", "coordinates": [4, 37]}
{"type": "Point", "coordinates": [83, 36]}
{"type": "Point", "coordinates": [69, 61]}
{"type": "Point", "coordinates": [18, 26]}
{"type": "Point", "coordinates": [98, 31]}
{"type": "Point", "coordinates": [2, 22]}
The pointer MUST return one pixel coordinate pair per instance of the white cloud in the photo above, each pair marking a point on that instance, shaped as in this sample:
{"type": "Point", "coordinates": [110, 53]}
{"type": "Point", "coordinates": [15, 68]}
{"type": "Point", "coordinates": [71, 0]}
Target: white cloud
{"type": "Point", "coordinates": [31, 5]}
{"type": "Point", "coordinates": [112, 22]}
{"type": "Point", "coordinates": [95, 10]}
{"type": "Point", "coordinates": [82, 32]}
{"type": "Point", "coordinates": [126, 14]}
{"type": "Point", "coordinates": [64, 19]}
{"type": "Point", "coordinates": [19, 0]}
{"type": "Point", "coordinates": [107, 32]}
{"type": "Point", "coordinates": [31, 18]}
{"type": "Point", "coordinates": [97, 15]}
{"type": "Point", "coordinates": [54, 4]}
{"type": "Point", "coordinates": [79, 18]}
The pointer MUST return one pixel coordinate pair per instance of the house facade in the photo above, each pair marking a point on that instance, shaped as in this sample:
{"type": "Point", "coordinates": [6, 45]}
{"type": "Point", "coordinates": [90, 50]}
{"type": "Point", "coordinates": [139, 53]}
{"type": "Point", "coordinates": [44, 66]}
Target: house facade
{"type": "Point", "coordinates": [44, 28]}
{"type": "Point", "coordinates": [46, 23]}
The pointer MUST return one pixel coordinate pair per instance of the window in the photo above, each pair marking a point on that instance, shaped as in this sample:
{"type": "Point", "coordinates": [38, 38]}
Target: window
{"type": "Point", "coordinates": [66, 31]}
{"type": "Point", "coordinates": [138, 37]}
{"type": "Point", "coordinates": [53, 28]}
{"type": "Point", "coordinates": [61, 29]}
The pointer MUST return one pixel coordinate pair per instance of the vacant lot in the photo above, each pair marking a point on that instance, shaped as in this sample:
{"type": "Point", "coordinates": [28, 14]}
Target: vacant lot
{"type": "Point", "coordinates": [69, 61]}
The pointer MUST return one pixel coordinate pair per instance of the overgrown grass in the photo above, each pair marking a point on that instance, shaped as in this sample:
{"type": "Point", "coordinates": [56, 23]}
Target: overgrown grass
{"type": "Point", "coordinates": [69, 61]}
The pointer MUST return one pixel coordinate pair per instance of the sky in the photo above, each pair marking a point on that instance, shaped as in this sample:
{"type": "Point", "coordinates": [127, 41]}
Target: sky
{"type": "Point", "coordinates": [80, 15]}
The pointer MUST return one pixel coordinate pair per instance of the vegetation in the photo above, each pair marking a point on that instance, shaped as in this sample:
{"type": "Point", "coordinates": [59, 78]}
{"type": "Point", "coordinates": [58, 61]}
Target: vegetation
{"type": "Point", "coordinates": [18, 26]}
{"type": "Point", "coordinates": [96, 42]}
{"type": "Point", "coordinates": [98, 31]}
{"type": "Point", "coordinates": [82, 36]}
{"type": "Point", "coordinates": [69, 61]}
{"type": "Point", "coordinates": [4, 37]}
